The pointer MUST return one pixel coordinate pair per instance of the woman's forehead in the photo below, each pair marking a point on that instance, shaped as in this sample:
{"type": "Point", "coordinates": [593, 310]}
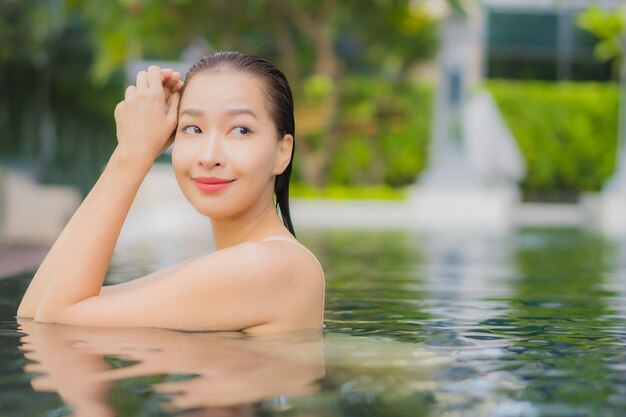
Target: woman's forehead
{"type": "Point", "coordinates": [224, 88]}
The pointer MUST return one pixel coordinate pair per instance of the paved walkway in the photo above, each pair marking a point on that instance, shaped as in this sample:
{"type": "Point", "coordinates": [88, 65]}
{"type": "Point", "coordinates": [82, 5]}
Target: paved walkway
{"type": "Point", "coordinates": [372, 214]}
{"type": "Point", "coordinates": [307, 214]}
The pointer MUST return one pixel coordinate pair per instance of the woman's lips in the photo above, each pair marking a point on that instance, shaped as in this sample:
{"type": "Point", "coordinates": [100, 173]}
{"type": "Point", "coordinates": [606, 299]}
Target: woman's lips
{"type": "Point", "coordinates": [211, 184]}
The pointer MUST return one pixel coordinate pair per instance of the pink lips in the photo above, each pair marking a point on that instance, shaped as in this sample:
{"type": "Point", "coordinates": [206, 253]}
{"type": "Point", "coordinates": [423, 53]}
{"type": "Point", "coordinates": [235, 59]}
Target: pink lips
{"type": "Point", "coordinates": [211, 184]}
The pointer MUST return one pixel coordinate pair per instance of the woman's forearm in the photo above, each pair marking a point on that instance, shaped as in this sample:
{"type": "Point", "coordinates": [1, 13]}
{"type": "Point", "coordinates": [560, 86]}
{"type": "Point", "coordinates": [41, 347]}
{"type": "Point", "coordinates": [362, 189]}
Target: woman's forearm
{"type": "Point", "coordinates": [39, 282]}
{"type": "Point", "coordinates": [79, 260]}
{"type": "Point", "coordinates": [77, 263]}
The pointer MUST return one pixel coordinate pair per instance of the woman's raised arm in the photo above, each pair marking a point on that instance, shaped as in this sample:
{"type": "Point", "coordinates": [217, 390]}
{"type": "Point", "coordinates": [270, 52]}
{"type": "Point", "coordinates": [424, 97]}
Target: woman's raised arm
{"type": "Point", "coordinates": [77, 263]}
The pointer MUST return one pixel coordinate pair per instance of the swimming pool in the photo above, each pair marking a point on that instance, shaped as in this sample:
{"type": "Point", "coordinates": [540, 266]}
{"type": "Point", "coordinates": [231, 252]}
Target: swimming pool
{"type": "Point", "coordinates": [526, 324]}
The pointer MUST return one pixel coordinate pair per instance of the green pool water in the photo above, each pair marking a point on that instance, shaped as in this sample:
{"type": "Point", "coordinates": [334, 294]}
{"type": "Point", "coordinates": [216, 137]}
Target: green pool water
{"type": "Point", "coordinates": [531, 323]}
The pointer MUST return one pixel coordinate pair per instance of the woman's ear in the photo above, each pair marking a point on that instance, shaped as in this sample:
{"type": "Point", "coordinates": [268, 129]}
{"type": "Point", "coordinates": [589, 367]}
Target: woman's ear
{"type": "Point", "coordinates": [284, 150]}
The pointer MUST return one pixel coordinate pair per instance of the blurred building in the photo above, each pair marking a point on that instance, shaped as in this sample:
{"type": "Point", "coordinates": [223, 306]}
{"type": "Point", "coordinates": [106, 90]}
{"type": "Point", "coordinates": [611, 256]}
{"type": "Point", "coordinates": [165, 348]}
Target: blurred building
{"type": "Point", "coordinates": [539, 39]}
{"type": "Point", "coordinates": [475, 164]}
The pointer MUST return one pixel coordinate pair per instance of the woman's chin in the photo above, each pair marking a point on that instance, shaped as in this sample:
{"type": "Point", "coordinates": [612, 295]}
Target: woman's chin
{"type": "Point", "coordinates": [214, 214]}
{"type": "Point", "coordinates": [220, 211]}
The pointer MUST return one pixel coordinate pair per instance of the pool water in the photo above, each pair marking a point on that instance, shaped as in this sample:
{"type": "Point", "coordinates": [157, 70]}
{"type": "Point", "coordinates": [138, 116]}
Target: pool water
{"type": "Point", "coordinates": [531, 323]}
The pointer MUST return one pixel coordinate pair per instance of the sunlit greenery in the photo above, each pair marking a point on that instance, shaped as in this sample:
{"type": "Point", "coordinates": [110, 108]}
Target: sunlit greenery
{"type": "Point", "coordinates": [362, 119]}
{"type": "Point", "coordinates": [567, 133]}
{"type": "Point", "coordinates": [339, 192]}
{"type": "Point", "coordinates": [63, 62]}
{"type": "Point", "coordinates": [609, 26]}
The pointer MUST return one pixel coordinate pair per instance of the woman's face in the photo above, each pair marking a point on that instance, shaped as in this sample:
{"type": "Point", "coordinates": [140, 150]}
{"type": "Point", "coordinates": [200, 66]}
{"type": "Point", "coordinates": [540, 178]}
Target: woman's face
{"type": "Point", "coordinates": [227, 151]}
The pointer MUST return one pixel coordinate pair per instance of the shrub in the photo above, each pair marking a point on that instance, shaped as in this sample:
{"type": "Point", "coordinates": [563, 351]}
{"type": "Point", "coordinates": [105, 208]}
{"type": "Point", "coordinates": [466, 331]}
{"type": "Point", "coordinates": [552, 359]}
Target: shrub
{"type": "Point", "coordinates": [567, 133]}
{"type": "Point", "coordinates": [385, 129]}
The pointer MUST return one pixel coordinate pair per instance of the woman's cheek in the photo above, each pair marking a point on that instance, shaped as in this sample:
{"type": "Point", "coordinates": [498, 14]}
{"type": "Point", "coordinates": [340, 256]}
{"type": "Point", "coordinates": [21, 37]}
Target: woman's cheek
{"type": "Point", "coordinates": [257, 158]}
{"type": "Point", "coordinates": [180, 159]}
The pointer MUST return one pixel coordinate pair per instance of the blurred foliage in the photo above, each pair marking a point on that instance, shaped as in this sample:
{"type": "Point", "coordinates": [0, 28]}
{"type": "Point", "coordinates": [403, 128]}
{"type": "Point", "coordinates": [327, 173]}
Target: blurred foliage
{"type": "Point", "coordinates": [341, 192]}
{"type": "Point", "coordinates": [29, 29]}
{"type": "Point", "coordinates": [126, 30]}
{"type": "Point", "coordinates": [52, 119]}
{"type": "Point", "coordinates": [361, 121]}
{"type": "Point", "coordinates": [63, 62]}
{"type": "Point", "coordinates": [567, 133]}
{"type": "Point", "coordinates": [385, 129]}
{"type": "Point", "coordinates": [609, 26]}
{"type": "Point", "coordinates": [385, 31]}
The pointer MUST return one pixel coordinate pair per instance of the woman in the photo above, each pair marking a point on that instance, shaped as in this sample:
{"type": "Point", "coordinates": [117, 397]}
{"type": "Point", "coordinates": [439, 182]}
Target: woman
{"type": "Point", "coordinates": [232, 152]}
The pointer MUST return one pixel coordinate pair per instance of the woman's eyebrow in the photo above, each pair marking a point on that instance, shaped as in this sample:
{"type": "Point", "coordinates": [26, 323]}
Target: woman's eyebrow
{"type": "Point", "coordinates": [239, 111]}
{"type": "Point", "coordinates": [192, 112]}
{"type": "Point", "coordinates": [231, 112]}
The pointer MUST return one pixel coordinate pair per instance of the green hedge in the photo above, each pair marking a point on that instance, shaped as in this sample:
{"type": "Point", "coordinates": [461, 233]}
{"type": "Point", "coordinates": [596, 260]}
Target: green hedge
{"type": "Point", "coordinates": [567, 133]}
{"type": "Point", "coordinates": [341, 192]}
{"type": "Point", "coordinates": [385, 131]}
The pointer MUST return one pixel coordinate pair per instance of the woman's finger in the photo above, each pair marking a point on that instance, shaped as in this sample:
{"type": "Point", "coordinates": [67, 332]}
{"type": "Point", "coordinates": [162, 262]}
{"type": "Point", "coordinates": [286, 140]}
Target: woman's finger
{"type": "Point", "coordinates": [172, 111]}
{"type": "Point", "coordinates": [170, 83]}
{"type": "Point", "coordinates": [172, 80]}
{"type": "Point", "coordinates": [131, 90]}
{"type": "Point", "coordinates": [154, 78]}
{"type": "Point", "coordinates": [165, 73]}
{"type": "Point", "coordinates": [142, 80]}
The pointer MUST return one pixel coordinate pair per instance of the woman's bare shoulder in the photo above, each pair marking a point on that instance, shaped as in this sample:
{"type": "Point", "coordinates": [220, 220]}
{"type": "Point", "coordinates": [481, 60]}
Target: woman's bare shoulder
{"type": "Point", "coordinates": [304, 259]}
{"type": "Point", "coordinates": [272, 258]}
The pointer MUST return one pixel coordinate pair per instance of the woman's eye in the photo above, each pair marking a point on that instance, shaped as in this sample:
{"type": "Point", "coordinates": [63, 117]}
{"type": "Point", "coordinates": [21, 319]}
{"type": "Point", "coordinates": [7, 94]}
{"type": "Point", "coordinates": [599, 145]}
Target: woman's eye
{"type": "Point", "coordinates": [194, 130]}
{"type": "Point", "coordinates": [241, 131]}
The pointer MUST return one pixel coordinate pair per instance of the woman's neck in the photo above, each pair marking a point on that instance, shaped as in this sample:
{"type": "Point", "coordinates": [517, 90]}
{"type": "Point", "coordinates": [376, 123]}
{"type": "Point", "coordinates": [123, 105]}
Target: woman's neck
{"type": "Point", "coordinates": [255, 226]}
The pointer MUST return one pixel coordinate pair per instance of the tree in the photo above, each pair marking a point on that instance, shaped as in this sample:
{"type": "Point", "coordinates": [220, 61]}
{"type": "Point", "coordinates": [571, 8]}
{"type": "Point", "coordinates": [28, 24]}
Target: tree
{"type": "Point", "coordinates": [52, 119]}
{"type": "Point", "coordinates": [315, 42]}
{"type": "Point", "coordinates": [28, 31]}
{"type": "Point", "coordinates": [609, 26]}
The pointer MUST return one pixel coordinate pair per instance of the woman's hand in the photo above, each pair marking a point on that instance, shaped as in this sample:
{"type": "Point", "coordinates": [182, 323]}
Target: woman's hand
{"type": "Point", "coordinates": [147, 117]}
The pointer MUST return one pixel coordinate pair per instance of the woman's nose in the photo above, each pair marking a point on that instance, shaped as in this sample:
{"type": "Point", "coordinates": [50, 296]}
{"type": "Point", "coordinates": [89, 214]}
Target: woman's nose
{"type": "Point", "coordinates": [211, 153]}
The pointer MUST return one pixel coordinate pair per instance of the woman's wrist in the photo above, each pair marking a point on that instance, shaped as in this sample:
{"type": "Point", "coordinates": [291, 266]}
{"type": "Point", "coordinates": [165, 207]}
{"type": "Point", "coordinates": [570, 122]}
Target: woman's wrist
{"type": "Point", "coordinates": [132, 158]}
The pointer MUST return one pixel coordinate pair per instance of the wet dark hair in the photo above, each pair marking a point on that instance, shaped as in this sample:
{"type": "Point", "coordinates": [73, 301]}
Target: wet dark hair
{"type": "Point", "coordinates": [280, 107]}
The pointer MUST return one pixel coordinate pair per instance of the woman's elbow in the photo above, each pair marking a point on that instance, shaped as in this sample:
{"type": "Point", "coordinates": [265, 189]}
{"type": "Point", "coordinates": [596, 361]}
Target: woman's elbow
{"type": "Point", "coordinates": [43, 314]}
{"type": "Point", "coordinates": [26, 311]}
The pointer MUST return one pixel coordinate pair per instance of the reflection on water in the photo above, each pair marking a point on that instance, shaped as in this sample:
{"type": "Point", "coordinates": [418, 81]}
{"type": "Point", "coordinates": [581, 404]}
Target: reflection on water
{"type": "Point", "coordinates": [190, 370]}
{"type": "Point", "coordinates": [108, 372]}
{"type": "Point", "coordinates": [524, 325]}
